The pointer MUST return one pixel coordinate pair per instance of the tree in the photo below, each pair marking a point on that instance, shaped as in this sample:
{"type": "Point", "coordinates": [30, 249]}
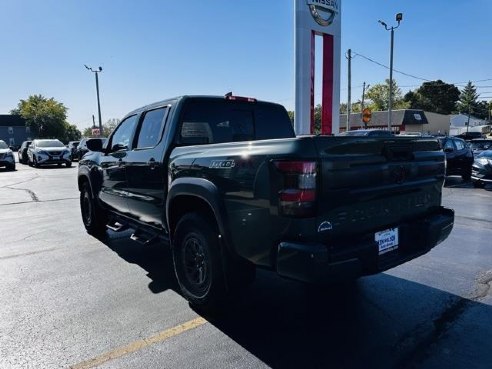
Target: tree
{"type": "Point", "coordinates": [481, 110]}
{"type": "Point", "coordinates": [468, 103]}
{"type": "Point", "coordinates": [45, 117]}
{"type": "Point", "coordinates": [435, 96]}
{"type": "Point", "coordinates": [72, 133]}
{"type": "Point", "coordinates": [379, 97]}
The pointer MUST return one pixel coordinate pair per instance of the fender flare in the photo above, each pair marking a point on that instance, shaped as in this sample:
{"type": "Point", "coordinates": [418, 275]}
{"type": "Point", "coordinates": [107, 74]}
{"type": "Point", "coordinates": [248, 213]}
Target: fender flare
{"type": "Point", "coordinates": [205, 191]}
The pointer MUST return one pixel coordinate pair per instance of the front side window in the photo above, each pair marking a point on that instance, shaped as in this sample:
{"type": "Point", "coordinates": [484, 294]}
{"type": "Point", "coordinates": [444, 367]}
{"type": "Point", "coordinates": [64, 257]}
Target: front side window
{"type": "Point", "coordinates": [448, 145]}
{"type": "Point", "coordinates": [122, 136]}
{"type": "Point", "coordinates": [151, 128]}
{"type": "Point", "coordinates": [459, 145]}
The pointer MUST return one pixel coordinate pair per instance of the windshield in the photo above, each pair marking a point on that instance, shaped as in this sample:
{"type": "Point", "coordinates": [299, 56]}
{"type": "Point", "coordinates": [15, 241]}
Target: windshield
{"type": "Point", "coordinates": [50, 143]}
{"type": "Point", "coordinates": [3, 145]}
{"type": "Point", "coordinates": [481, 145]}
{"type": "Point", "coordinates": [485, 154]}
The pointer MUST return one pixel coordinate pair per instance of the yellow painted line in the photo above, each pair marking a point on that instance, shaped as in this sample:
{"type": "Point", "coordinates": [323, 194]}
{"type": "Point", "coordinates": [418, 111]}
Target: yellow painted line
{"type": "Point", "coordinates": [140, 344]}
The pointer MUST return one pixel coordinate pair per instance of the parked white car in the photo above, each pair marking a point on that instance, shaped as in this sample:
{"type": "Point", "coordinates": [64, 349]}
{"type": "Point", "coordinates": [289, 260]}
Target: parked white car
{"type": "Point", "coordinates": [6, 156]}
{"type": "Point", "coordinates": [43, 152]}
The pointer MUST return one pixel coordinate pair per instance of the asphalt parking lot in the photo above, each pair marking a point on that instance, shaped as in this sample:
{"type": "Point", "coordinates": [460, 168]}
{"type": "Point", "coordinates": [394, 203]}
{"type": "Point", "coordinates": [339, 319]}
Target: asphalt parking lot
{"type": "Point", "coordinates": [69, 300]}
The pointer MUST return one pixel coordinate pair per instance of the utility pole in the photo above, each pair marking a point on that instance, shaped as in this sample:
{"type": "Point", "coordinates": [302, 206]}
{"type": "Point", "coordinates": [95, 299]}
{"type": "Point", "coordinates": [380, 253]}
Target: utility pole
{"type": "Point", "coordinates": [96, 72]}
{"type": "Point", "coordinates": [349, 99]}
{"type": "Point", "coordinates": [399, 18]}
{"type": "Point", "coordinates": [363, 101]}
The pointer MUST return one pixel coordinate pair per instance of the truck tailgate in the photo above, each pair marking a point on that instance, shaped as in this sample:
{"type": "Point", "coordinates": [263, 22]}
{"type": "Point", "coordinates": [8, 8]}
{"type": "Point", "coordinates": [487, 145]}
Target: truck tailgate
{"type": "Point", "coordinates": [371, 184]}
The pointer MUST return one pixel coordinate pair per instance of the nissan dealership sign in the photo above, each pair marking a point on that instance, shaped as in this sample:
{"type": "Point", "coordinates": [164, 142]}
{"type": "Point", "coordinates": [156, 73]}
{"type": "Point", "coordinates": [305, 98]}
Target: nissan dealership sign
{"type": "Point", "coordinates": [317, 19]}
{"type": "Point", "coordinates": [323, 11]}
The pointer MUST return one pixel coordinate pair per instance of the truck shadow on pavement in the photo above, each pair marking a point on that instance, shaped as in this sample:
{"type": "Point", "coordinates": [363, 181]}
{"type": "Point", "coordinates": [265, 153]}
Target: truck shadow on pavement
{"type": "Point", "coordinates": [380, 321]}
{"type": "Point", "coordinates": [155, 259]}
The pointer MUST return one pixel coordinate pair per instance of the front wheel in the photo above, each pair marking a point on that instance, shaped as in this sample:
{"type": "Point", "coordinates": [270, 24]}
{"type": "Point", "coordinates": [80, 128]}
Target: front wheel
{"type": "Point", "coordinates": [197, 261]}
{"type": "Point", "coordinates": [68, 164]}
{"type": "Point", "coordinates": [94, 217]}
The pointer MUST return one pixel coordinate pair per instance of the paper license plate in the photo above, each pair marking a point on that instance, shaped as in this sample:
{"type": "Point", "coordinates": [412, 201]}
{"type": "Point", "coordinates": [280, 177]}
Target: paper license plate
{"type": "Point", "coordinates": [387, 240]}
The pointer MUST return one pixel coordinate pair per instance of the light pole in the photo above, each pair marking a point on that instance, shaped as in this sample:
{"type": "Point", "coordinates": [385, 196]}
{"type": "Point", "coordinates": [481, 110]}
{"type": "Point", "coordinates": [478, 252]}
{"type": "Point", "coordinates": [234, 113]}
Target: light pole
{"type": "Point", "coordinates": [399, 18]}
{"type": "Point", "coordinates": [96, 72]}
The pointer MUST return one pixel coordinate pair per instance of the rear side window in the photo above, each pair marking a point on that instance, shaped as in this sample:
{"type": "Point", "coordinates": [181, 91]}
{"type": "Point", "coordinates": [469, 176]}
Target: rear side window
{"type": "Point", "coordinates": [151, 128]}
{"type": "Point", "coordinates": [216, 121]}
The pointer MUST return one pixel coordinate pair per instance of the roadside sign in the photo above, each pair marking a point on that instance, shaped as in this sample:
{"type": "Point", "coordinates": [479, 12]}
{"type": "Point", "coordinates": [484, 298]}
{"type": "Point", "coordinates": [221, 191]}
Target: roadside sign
{"type": "Point", "coordinates": [366, 115]}
{"type": "Point", "coordinates": [95, 132]}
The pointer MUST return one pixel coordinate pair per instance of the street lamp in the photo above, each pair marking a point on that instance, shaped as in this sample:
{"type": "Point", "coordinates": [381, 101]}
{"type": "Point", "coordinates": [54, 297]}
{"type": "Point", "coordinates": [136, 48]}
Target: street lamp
{"type": "Point", "coordinates": [96, 72]}
{"type": "Point", "coordinates": [399, 18]}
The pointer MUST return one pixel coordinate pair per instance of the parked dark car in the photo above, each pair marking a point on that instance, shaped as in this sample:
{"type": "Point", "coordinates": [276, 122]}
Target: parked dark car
{"type": "Point", "coordinates": [468, 136]}
{"type": "Point", "coordinates": [459, 157]}
{"type": "Point", "coordinates": [23, 152]}
{"type": "Point", "coordinates": [72, 146]}
{"type": "Point", "coordinates": [368, 132]}
{"type": "Point", "coordinates": [480, 144]}
{"type": "Point", "coordinates": [482, 169]}
{"type": "Point", "coordinates": [82, 148]}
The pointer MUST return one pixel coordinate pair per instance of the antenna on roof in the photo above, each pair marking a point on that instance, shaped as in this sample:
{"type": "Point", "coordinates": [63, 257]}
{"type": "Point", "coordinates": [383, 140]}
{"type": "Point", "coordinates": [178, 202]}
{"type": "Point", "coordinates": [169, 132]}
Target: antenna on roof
{"type": "Point", "coordinates": [228, 94]}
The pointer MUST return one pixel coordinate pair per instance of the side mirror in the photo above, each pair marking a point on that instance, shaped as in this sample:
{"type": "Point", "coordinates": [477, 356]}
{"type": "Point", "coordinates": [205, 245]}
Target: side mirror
{"type": "Point", "coordinates": [119, 147]}
{"type": "Point", "coordinates": [95, 144]}
{"type": "Point", "coordinates": [448, 149]}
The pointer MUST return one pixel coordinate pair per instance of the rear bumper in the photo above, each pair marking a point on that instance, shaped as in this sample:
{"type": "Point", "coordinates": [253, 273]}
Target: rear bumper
{"type": "Point", "coordinates": [319, 263]}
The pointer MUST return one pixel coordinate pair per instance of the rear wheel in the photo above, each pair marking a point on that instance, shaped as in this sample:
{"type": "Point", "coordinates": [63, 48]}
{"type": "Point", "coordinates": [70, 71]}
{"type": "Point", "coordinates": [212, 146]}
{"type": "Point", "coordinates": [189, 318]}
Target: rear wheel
{"type": "Point", "coordinates": [197, 262]}
{"type": "Point", "coordinates": [94, 217]}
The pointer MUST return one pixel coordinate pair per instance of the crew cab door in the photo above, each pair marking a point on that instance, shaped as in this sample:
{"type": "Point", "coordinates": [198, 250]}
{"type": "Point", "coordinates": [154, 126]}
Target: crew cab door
{"type": "Point", "coordinates": [113, 163]}
{"type": "Point", "coordinates": [146, 172]}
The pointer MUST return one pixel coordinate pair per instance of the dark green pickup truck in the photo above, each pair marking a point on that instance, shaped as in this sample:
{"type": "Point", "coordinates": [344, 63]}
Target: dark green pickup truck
{"type": "Point", "coordinates": [226, 183]}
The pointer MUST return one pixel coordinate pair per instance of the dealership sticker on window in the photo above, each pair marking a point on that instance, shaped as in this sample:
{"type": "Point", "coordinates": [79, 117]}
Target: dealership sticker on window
{"type": "Point", "coordinates": [387, 240]}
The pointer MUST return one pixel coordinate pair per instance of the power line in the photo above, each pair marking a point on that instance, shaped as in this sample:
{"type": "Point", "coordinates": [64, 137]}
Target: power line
{"type": "Point", "coordinates": [421, 78]}
{"type": "Point", "coordinates": [395, 70]}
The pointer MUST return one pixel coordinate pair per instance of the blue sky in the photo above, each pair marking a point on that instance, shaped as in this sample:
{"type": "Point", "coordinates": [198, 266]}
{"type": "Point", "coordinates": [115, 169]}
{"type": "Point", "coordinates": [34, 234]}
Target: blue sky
{"type": "Point", "coordinates": [153, 49]}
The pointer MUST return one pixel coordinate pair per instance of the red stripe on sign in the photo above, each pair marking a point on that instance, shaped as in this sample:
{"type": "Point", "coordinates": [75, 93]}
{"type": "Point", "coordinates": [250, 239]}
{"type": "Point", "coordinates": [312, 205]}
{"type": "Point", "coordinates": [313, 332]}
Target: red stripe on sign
{"type": "Point", "coordinates": [327, 103]}
{"type": "Point", "coordinates": [313, 49]}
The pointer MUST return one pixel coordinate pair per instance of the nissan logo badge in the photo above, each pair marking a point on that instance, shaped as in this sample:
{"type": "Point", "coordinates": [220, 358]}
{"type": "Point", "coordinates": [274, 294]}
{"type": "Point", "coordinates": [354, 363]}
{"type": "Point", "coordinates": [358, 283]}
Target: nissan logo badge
{"type": "Point", "coordinates": [323, 11]}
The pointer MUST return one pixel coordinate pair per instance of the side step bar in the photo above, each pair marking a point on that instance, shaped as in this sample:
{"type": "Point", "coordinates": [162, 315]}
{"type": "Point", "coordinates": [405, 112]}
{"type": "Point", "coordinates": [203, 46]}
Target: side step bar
{"type": "Point", "coordinates": [143, 238]}
{"type": "Point", "coordinates": [116, 226]}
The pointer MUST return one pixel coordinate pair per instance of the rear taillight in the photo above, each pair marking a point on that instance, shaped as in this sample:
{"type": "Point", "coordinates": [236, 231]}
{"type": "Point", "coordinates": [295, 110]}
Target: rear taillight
{"type": "Point", "coordinates": [297, 196]}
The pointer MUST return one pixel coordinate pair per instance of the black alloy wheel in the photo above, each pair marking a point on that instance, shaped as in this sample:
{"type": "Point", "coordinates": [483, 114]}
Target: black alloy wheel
{"type": "Point", "coordinates": [197, 261]}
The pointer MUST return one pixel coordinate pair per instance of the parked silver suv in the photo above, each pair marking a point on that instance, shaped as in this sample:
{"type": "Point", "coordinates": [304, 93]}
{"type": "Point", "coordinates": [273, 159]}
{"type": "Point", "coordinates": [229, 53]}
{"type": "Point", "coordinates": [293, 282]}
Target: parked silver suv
{"type": "Point", "coordinates": [6, 156]}
{"type": "Point", "coordinates": [42, 152]}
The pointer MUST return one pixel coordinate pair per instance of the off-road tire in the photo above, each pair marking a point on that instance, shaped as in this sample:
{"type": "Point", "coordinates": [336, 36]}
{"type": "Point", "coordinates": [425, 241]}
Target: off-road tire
{"type": "Point", "coordinates": [197, 262]}
{"type": "Point", "coordinates": [94, 217]}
